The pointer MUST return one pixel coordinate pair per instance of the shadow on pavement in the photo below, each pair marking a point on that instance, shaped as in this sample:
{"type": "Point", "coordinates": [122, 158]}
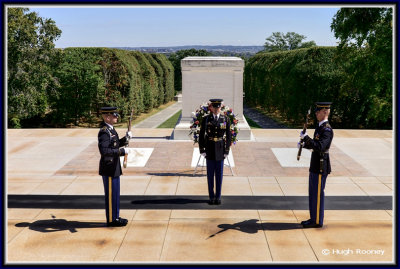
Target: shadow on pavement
{"type": "Point", "coordinates": [57, 225]}
{"type": "Point", "coordinates": [252, 226]}
{"type": "Point", "coordinates": [181, 174]}
{"type": "Point", "coordinates": [172, 201]}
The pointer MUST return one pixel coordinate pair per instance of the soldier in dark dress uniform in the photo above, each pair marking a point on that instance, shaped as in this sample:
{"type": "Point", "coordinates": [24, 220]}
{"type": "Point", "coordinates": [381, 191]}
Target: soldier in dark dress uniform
{"type": "Point", "coordinates": [214, 143]}
{"type": "Point", "coordinates": [320, 165]}
{"type": "Point", "coordinates": [111, 148]}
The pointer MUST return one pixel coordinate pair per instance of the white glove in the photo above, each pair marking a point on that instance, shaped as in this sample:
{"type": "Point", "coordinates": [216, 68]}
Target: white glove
{"type": "Point", "coordinates": [128, 151]}
{"type": "Point", "coordinates": [298, 144]}
{"type": "Point", "coordinates": [204, 155]}
{"type": "Point", "coordinates": [129, 135]}
{"type": "Point", "coordinates": [303, 135]}
{"type": "Point", "coordinates": [225, 155]}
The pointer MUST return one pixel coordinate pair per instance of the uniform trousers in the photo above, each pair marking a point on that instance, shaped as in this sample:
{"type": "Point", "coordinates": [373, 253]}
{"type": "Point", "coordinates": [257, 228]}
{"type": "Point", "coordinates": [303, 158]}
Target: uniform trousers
{"type": "Point", "coordinates": [215, 168]}
{"type": "Point", "coordinates": [112, 191]}
{"type": "Point", "coordinates": [316, 195]}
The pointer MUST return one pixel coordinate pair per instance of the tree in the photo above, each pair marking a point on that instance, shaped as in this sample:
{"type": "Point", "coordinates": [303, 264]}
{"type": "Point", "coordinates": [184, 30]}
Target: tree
{"type": "Point", "coordinates": [366, 38]}
{"type": "Point", "coordinates": [80, 79]}
{"type": "Point", "coordinates": [360, 27]}
{"type": "Point", "coordinates": [308, 44]}
{"type": "Point", "coordinates": [279, 41]}
{"type": "Point", "coordinates": [276, 42]}
{"type": "Point", "coordinates": [293, 40]}
{"type": "Point", "coordinates": [176, 58]}
{"type": "Point", "coordinates": [31, 61]}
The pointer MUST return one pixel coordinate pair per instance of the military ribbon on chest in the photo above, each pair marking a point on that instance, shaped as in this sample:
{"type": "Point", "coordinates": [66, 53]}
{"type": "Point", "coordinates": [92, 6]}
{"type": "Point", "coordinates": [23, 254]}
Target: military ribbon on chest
{"type": "Point", "coordinates": [114, 140]}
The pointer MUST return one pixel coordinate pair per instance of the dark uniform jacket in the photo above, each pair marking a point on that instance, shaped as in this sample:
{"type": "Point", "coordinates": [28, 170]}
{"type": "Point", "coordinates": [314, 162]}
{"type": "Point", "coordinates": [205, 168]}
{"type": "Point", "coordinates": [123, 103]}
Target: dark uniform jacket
{"type": "Point", "coordinates": [109, 147]}
{"type": "Point", "coordinates": [216, 130]}
{"type": "Point", "coordinates": [320, 145]}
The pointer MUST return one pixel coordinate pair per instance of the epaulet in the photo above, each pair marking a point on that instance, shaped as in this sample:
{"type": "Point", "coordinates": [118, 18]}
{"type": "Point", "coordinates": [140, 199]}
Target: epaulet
{"type": "Point", "coordinates": [328, 127]}
{"type": "Point", "coordinates": [104, 128]}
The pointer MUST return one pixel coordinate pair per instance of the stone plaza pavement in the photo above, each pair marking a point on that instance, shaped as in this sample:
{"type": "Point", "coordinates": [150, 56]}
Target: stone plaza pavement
{"type": "Point", "coordinates": [55, 205]}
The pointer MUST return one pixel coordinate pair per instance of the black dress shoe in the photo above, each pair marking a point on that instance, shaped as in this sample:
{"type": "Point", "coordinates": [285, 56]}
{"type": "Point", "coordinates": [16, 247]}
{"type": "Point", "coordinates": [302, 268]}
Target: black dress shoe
{"type": "Point", "coordinates": [117, 223]}
{"type": "Point", "coordinates": [210, 202]}
{"type": "Point", "coordinates": [217, 201]}
{"type": "Point", "coordinates": [306, 222]}
{"type": "Point", "coordinates": [312, 225]}
{"type": "Point", "coordinates": [123, 220]}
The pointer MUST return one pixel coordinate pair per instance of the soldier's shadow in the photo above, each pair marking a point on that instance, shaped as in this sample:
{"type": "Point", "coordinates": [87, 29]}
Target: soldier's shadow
{"type": "Point", "coordinates": [188, 173]}
{"type": "Point", "coordinates": [172, 201]}
{"type": "Point", "coordinates": [57, 225]}
{"type": "Point", "coordinates": [253, 226]}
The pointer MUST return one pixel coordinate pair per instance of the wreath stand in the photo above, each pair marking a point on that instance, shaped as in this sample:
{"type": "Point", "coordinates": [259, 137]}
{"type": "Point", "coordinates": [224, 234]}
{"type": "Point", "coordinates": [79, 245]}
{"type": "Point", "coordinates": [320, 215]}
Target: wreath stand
{"type": "Point", "coordinates": [198, 161]}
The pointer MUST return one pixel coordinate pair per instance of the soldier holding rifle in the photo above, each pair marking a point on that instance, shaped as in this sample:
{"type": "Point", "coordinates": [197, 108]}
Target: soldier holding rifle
{"type": "Point", "coordinates": [320, 165]}
{"type": "Point", "coordinates": [214, 144]}
{"type": "Point", "coordinates": [111, 148]}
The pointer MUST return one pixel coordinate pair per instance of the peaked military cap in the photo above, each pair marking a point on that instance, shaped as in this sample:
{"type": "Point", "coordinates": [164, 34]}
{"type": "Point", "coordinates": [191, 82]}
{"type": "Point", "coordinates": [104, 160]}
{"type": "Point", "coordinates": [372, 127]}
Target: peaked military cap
{"type": "Point", "coordinates": [109, 110]}
{"type": "Point", "coordinates": [216, 102]}
{"type": "Point", "coordinates": [322, 105]}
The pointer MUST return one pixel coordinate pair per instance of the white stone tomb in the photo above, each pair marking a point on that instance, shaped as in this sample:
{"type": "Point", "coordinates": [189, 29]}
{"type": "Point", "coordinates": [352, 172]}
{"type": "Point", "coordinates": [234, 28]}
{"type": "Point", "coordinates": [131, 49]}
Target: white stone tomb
{"type": "Point", "coordinates": [204, 78]}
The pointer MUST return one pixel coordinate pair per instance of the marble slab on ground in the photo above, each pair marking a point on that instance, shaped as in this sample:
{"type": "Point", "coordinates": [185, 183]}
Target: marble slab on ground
{"type": "Point", "coordinates": [199, 160]}
{"type": "Point", "coordinates": [138, 157]}
{"type": "Point", "coordinates": [287, 157]}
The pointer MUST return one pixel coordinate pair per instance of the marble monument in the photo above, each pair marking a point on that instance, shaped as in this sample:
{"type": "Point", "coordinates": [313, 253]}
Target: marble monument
{"type": "Point", "coordinates": [204, 78]}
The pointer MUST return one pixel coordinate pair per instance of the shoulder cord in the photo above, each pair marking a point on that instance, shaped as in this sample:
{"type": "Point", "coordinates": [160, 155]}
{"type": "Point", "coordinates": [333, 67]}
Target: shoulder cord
{"type": "Point", "coordinates": [109, 133]}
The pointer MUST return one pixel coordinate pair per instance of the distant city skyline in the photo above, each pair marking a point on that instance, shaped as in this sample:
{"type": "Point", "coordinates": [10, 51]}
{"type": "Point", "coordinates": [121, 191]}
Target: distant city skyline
{"type": "Point", "coordinates": [163, 26]}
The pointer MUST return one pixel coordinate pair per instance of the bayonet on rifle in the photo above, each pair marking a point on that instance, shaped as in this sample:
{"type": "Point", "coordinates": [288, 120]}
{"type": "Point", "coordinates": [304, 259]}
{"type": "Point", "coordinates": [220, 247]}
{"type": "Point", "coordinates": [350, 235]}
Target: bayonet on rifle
{"type": "Point", "coordinates": [127, 144]}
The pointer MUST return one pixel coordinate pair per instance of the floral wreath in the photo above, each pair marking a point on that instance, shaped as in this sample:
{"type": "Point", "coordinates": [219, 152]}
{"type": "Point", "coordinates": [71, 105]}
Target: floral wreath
{"type": "Point", "coordinates": [203, 111]}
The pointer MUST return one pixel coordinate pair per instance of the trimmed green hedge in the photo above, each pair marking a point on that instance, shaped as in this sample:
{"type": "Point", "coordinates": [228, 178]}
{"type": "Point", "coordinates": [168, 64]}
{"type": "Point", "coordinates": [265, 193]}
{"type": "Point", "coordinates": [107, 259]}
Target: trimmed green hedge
{"type": "Point", "coordinates": [127, 79]}
{"type": "Point", "coordinates": [94, 77]}
{"type": "Point", "coordinates": [149, 79]}
{"type": "Point", "coordinates": [159, 94]}
{"type": "Point", "coordinates": [292, 81]}
{"type": "Point", "coordinates": [168, 76]}
{"type": "Point", "coordinates": [80, 86]}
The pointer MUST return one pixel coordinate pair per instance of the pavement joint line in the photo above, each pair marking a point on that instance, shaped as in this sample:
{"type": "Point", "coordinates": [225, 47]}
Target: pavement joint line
{"type": "Point", "coordinates": [280, 187]}
{"type": "Point", "coordinates": [251, 188]}
{"type": "Point", "coordinates": [165, 236]}
{"type": "Point", "coordinates": [309, 243]}
{"type": "Point", "coordinates": [265, 235]}
{"type": "Point", "coordinates": [122, 241]}
{"type": "Point", "coordinates": [177, 185]}
{"type": "Point", "coordinates": [362, 189]}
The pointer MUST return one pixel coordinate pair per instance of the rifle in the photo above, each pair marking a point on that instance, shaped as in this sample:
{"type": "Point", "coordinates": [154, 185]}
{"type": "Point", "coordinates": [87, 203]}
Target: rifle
{"type": "Point", "coordinates": [304, 131]}
{"type": "Point", "coordinates": [127, 144]}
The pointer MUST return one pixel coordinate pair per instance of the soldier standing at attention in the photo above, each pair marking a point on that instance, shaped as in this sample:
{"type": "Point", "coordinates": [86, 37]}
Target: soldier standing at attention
{"type": "Point", "coordinates": [214, 144]}
{"type": "Point", "coordinates": [320, 165]}
{"type": "Point", "coordinates": [111, 148]}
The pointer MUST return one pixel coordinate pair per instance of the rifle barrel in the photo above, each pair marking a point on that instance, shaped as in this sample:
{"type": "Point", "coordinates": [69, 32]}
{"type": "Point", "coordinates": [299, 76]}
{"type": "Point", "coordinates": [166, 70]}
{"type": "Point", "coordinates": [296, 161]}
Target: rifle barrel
{"type": "Point", "coordinates": [126, 145]}
{"type": "Point", "coordinates": [304, 131]}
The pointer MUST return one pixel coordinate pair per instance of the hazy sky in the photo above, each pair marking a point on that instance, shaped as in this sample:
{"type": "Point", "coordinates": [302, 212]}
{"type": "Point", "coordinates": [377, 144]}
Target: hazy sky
{"type": "Point", "coordinates": [153, 26]}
